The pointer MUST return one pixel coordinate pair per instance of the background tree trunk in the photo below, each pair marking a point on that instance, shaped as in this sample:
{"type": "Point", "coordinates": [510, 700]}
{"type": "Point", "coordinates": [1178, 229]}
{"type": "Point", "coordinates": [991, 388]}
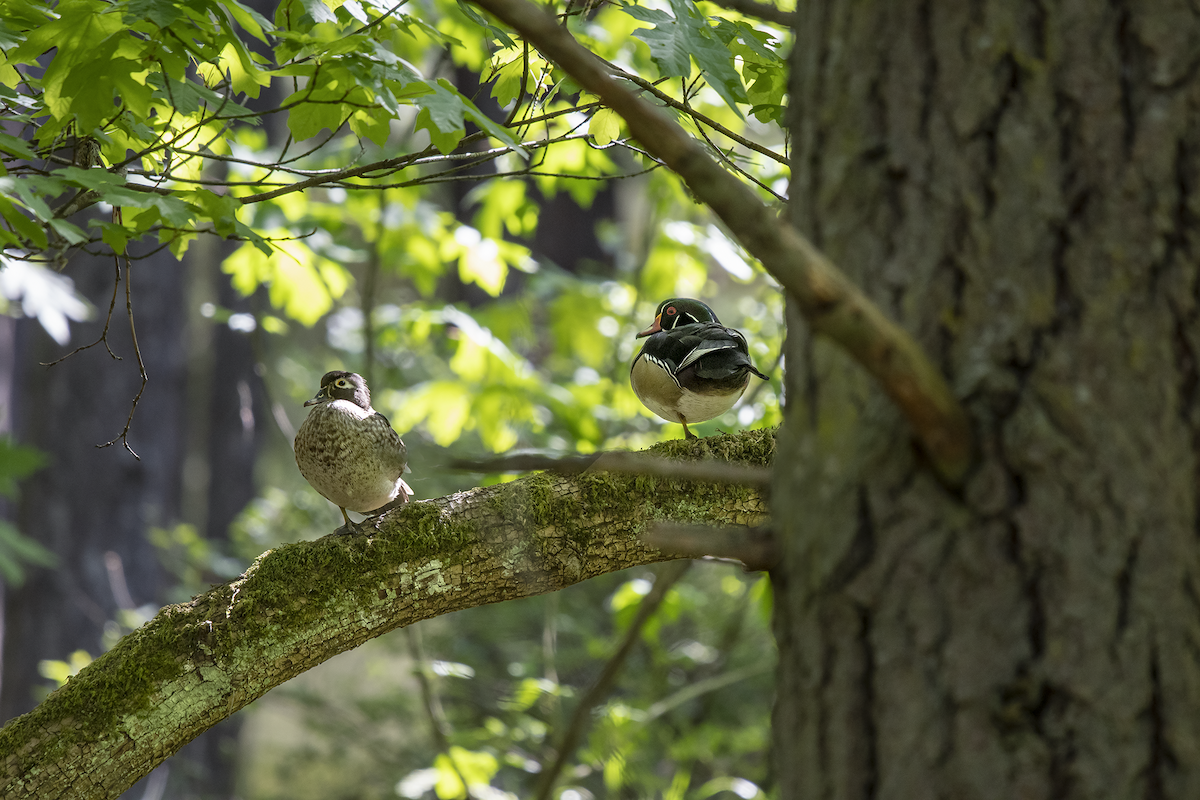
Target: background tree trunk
{"type": "Point", "coordinates": [1014, 182]}
{"type": "Point", "coordinates": [89, 503]}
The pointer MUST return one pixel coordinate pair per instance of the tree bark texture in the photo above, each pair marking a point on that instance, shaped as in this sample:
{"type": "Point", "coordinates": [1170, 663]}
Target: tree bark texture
{"type": "Point", "coordinates": [1015, 182]}
{"type": "Point", "coordinates": [298, 605]}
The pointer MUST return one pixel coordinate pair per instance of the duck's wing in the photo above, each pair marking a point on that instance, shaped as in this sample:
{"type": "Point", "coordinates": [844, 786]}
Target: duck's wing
{"type": "Point", "coordinates": [708, 341]}
{"type": "Point", "coordinates": [394, 447]}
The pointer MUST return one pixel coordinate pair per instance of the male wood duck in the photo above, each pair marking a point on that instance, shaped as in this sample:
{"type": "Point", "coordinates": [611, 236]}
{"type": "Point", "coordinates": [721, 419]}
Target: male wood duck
{"type": "Point", "coordinates": [348, 450]}
{"type": "Point", "coordinates": [692, 368]}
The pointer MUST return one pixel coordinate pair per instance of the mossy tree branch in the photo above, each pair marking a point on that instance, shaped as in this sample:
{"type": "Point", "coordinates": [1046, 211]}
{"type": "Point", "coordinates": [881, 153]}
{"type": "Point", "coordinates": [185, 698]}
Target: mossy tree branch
{"type": "Point", "coordinates": [830, 302]}
{"type": "Point", "coordinates": [300, 604]}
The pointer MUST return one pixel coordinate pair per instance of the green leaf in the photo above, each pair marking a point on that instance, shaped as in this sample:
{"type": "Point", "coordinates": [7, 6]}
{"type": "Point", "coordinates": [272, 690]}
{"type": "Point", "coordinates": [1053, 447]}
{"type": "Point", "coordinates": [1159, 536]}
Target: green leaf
{"type": "Point", "coordinates": [506, 81]}
{"type": "Point", "coordinates": [752, 40]}
{"type": "Point", "coordinates": [604, 126]}
{"type": "Point", "coordinates": [69, 231]}
{"type": "Point", "coordinates": [444, 406]}
{"type": "Point", "coordinates": [651, 15]}
{"type": "Point", "coordinates": [447, 108]}
{"type": "Point", "coordinates": [99, 180]}
{"type": "Point", "coordinates": [251, 21]}
{"type": "Point", "coordinates": [86, 40]}
{"type": "Point", "coordinates": [481, 264]}
{"type": "Point", "coordinates": [25, 227]}
{"type": "Point", "coordinates": [32, 190]}
{"type": "Point", "coordinates": [373, 124]}
{"type": "Point", "coordinates": [299, 282]}
{"type": "Point", "coordinates": [319, 11]}
{"type": "Point", "coordinates": [80, 25]}
{"type": "Point", "coordinates": [668, 45]}
{"type": "Point", "coordinates": [17, 550]}
{"type": "Point", "coordinates": [674, 42]}
{"type": "Point", "coordinates": [17, 461]}
{"type": "Point", "coordinates": [444, 140]}
{"type": "Point", "coordinates": [479, 19]}
{"type": "Point", "coordinates": [459, 764]}
{"type": "Point", "coordinates": [162, 13]}
{"type": "Point", "coordinates": [84, 90]}
{"type": "Point", "coordinates": [188, 96]}
{"type": "Point", "coordinates": [244, 74]}
{"type": "Point", "coordinates": [306, 120]}
{"type": "Point", "coordinates": [221, 209]}
{"type": "Point", "coordinates": [130, 85]}
{"type": "Point", "coordinates": [174, 211]}
{"type": "Point", "coordinates": [14, 146]}
{"type": "Point", "coordinates": [114, 235]}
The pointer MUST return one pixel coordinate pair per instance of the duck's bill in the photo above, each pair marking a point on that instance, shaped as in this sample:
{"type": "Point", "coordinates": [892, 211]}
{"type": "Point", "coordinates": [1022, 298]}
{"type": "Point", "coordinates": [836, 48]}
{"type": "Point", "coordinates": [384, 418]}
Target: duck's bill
{"type": "Point", "coordinates": [655, 328]}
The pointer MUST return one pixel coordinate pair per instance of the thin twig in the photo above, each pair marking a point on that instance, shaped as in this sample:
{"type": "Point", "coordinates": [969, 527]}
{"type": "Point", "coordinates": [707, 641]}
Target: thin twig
{"type": "Point", "coordinates": [694, 690]}
{"type": "Point", "coordinates": [764, 11]}
{"type": "Point", "coordinates": [521, 95]}
{"type": "Point", "coordinates": [370, 280]}
{"type": "Point", "coordinates": [733, 165]}
{"type": "Point", "coordinates": [666, 577]}
{"type": "Point", "coordinates": [641, 82]}
{"type": "Point", "coordinates": [433, 706]}
{"type": "Point", "coordinates": [380, 19]}
{"type": "Point", "coordinates": [107, 321]}
{"type": "Point", "coordinates": [137, 351]}
{"type": "Point", "coordinates": [625, 462]}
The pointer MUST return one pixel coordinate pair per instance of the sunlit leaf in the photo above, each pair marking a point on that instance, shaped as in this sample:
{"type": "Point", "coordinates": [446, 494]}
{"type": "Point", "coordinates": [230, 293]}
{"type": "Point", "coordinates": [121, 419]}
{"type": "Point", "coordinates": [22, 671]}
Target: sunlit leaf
{"type": "Point", "coordinates": [62, 671]}
{"type": "Point", "coordinates": [605, 126]}
{"type": "Point", "coordinates": [299, 282]}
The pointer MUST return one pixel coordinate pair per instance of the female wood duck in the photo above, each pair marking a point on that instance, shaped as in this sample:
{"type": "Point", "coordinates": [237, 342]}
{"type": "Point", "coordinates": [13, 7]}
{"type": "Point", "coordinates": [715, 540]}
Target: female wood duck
{"type": "Point", "coordinates": [348, 450]}
{"type": "Point", "coordinates": [692, 368]}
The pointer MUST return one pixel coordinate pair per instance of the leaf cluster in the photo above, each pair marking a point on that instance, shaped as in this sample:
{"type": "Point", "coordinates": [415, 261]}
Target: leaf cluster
{"type": "Point", "coordinates": [153, 107]}
{"type": "Point", "coordinates": [16, 550]}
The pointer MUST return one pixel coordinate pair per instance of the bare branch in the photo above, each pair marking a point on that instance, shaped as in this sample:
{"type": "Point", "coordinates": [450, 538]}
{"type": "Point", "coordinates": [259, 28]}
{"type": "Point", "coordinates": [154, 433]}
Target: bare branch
{"type": "Point", "coordinates": [624, 462]}
{"type": "Point", "coordinates": [764, 11]}
{"type": "Point", "coordinates": [438, 723]}
{"type": "Point", "coordinates": [137, 351]}
{"type": "Point", "coordinates": [107, 321]}
{"type": "Point", "coordinates": [757, 548]}
{"type": "Point", "coordinates": [696, 115]}
{"type": "Point", "coordinates": [692, 691]}
{"type": "Point", "coordinates": [666, 577]}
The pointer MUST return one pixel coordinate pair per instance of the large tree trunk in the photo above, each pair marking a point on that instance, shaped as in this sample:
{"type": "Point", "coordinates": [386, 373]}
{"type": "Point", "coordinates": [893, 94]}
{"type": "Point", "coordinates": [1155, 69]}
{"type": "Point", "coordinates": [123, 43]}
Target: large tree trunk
{"type": "Point", "coordinates": [1013, 182]}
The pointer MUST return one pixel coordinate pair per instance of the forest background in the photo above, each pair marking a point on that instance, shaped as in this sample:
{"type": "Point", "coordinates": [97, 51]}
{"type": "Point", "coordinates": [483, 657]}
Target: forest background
{"type": "Point", "coordinates": [981, 516]}
{"type": "Point", "coordinates": [406, 191]}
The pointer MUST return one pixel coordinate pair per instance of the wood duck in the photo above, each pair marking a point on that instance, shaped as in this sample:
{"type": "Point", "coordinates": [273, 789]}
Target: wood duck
{"type": "Point", "coordinates": [692, 368]}
{"type": "Point", "coordinates": [348, 451]}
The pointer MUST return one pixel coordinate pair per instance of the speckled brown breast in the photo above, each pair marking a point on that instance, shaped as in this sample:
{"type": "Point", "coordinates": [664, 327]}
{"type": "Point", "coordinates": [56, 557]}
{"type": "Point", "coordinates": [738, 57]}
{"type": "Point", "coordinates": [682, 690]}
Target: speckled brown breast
{"type": "Point", "coordinates": [351, 456]}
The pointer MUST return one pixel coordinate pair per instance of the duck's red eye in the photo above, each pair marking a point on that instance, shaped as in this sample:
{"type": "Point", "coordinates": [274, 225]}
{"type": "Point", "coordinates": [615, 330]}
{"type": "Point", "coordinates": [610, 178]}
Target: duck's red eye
{"type": "Point", "coordinates": [671, 311]}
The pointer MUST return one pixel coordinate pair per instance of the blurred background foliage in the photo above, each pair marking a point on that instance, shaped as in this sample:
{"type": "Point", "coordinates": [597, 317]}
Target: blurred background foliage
{"type": "Point", "coordinates": [489, 289]}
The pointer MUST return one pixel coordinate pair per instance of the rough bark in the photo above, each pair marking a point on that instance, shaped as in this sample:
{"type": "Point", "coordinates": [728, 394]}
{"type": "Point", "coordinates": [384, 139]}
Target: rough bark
{"type": "Point", "coordinates": [1015, 182]}
{"type": "Point", "coordinates": [298, 605]}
